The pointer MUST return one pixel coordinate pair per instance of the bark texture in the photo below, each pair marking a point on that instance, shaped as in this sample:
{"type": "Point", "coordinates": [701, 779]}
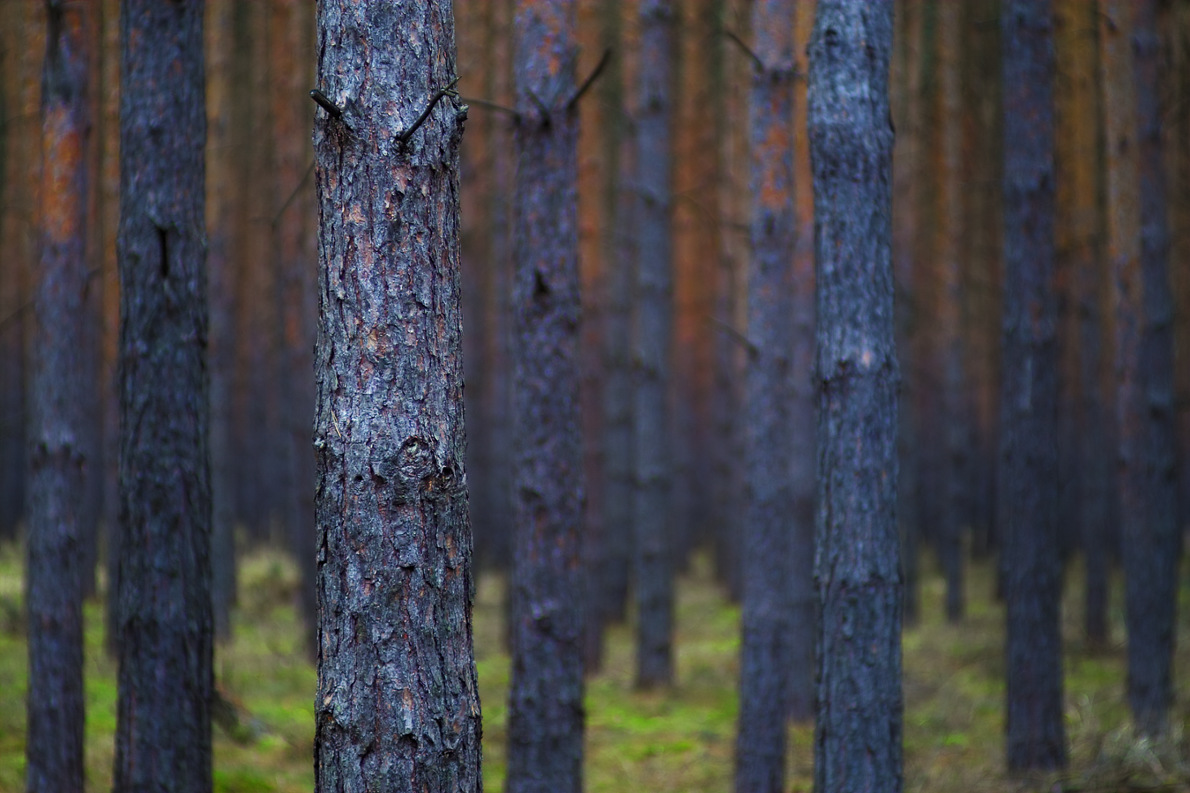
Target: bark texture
{"type": "Point", "coordinates": [857, 566]}
{"type": "Point", "coordinates": [397, 705]}
{"type": "Point", "coordinates": [57, 432]}
{"type": "Point", "coordinates": [163, 735]}
{"type": "Point", "coordinates": [767, 617]}
{"type": "Point", "coordinates": [1036, 737]}
{"type": "Point", "coordinates": [545, 719]}
{"type": "Point", "coordinates": [651, 336]}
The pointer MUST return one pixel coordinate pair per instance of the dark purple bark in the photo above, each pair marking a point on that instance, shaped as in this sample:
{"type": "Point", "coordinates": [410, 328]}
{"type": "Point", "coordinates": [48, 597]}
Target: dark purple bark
{"type": "Point", "coordinates": [397, 705]}
{"type": "Point", "coordinates": [60, 394]}
{"type": "Point", "coordinates": [652, 333]}
{"type": "Point", "coordinates": [545, 715]}
{"type": "Point", "coordinates": [767, 616]}
{"type": "Point", "coordinates": [1035, 734]}
{"type": "Point", "coordinates": [163, 735]}
{"type": "Point", "coordinates": [1148, 483]}
{"type": "Point", "coordinates": [857, 564]}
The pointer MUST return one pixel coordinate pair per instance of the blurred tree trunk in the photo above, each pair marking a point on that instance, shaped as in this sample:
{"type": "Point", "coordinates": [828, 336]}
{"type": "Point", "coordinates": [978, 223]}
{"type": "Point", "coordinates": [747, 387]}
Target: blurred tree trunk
{"type": "Point", "coordinates": [621, 77]}
{"type": "Point", "coordinates": [22, 28]}
{"type": "Point", "coordinates": [224, 117]}
{"type": "Point", "coordinates": [907, 102]}
{"type": "Point", "coordinates": [980, 252]}
{"type": "Point", "coordinates": [857, 569]}
{"type": "Point", "coordinates": [107, 223]}
{"type": "Point", "coordinates": [545, 715]}
{"type": "Point", "coordinates": [1138, 248]}
{"type": "Point", "coordinates": [397, 704]}
{"type": "Point", "coordinates": [952, 444]}
{"type": "Point", "coordinates": [1036, 737]}
{"type": "Point", "coordinates": [773, 444]}
{"type": "Point", "coordinates": [1079, 220]}
{"type": "Point", "coordinates": [803, 478]}
{"type": "Point", "coordinates": [163, 733]}
{"type": "Point", "coordinates": [59, 451]}
{"type": "Point", "coordinates": [652, 334]}
{"type": "Point", "coordinates": [291, 51]}
{"type": "Point", "coordinates": [1176, 24]}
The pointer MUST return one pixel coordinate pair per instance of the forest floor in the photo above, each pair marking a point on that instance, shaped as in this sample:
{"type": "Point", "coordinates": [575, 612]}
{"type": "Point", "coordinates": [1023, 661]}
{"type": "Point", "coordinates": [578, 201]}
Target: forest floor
{"type": "Point", "coordinates": [681, 740]}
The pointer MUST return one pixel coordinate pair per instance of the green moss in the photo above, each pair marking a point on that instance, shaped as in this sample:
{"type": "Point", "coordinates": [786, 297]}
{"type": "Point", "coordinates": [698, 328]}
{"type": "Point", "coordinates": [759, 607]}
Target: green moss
{"type": "Point", "coordinates": [681, 740]}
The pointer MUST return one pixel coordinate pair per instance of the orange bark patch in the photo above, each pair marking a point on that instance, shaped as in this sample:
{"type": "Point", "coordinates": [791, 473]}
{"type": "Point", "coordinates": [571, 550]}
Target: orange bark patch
{"type": "Point", "coordinates": [63, 159]}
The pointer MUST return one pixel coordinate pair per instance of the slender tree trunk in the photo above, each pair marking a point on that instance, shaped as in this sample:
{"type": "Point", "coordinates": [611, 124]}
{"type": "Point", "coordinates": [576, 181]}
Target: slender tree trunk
{"type": "Point", "coordinates": [397, 705]}
{"type": "Point", "coordinates": [1036, 736]}
{"type": "Point", "coordinates": [163, 734]}
{"type": "Point", "coordinates": [59, 395]}
{"type": "Point", "coordinates": [803, 477]}
{"type": "Point", "coordinates": [1078, 168]}
{"type": "Point", "coordinates": [857, 569]}
{"type": "Point", "coordinates": [617, 392]}
{"type": "Point", "coordinates": [651, 336]}
{"type": "Point", "coordinates": [907, 181]}
{"type": "Point", "coordinates": [954, 443]}
{"type": "Point", "coordinates": [1144, 370]}
{"type": "Point", "coordinates": [545, 720]}
{"type": "Point", "coordinates": [767, 626]}
{"type": "Point", "coordinates": [291, 45]}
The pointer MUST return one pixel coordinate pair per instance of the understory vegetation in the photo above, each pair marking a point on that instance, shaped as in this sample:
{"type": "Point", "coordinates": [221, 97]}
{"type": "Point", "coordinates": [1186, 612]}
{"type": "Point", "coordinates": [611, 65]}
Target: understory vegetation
{"type": "Point", "coordinates": [677, 741]}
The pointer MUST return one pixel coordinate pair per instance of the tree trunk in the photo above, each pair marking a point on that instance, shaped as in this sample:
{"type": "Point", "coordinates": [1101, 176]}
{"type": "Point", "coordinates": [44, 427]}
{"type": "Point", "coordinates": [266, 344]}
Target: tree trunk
{"type": "Point", "coordinates": [767, 625]}
{"type": "Point", "coordinates": [1079, 215]}
{"type": "Point", "coordinates": [291, 46]}
{"type": "Point", "coordinates": [1144, 355]}
{"type": "Point", "coordinates": [617, 390]}
{"type": "Point", "coordinates": [397, 705]}
{"type": "Point", "coordinates": [1036, 736]}
{"type": "Point", "coordinates": [651, 336]}
{"type": "Point", "coordinates": [545, 718]}
{"type": "Point", "coordinates": [58, 454]}
{"type": "Point", "coordinates": [163, 735]}
{"type": "Point", "coordinates": [857, 569]}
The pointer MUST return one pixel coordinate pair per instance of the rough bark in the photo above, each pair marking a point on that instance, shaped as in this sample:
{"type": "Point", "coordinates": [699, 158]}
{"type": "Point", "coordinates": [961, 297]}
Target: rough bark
{"type": "Point", "coordinates": [163, 734]}
{"type": "Point", "coordinates": [767, 626]}
{"type": "Point", "coordinates": [1144, 360]}
{"type": "Point", "coordinates": [1027, 510]}
{"type": "Point", "coordinates": [857, 566]}
{"type": "Point", "coordinates": [397, 705]}
{"type": "Point", "coordinates": [545, 718]}
{"type": "Point", "coordinates": [652, 333]}
{"type": "Point", "coordinates": [58, 454]}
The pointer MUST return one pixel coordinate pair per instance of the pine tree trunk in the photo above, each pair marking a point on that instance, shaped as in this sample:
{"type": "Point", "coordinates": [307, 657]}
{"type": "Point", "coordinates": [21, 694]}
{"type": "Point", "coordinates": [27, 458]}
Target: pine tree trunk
{"type": "Point", "coordinates": [767, 626]}
{"type": "Point", "coordinates": [651, 336]}
{"type": "Point", "coordinates": [1144, 372]}
{"type": "Point", "coordinates": [397, 705]}
{"type": "Point", "coordinates": [857, 570]}
{"type": "Point", "coordinates": [1078, 162]}
{"type": "Point", "coordinates": [545, 717]}
{"type": "Point", "coordinates": [1027, 510]}
{"type": "Point", "coordinates": [58, 454]}
{"type": "Point", "coordinates": [163, 736]}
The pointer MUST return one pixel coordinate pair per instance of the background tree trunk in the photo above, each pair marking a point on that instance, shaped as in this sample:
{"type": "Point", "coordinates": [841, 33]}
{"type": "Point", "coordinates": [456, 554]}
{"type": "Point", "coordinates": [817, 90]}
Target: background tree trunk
{"type": "Point", "coordinates": [59, 452]}
{"type": "Point", "coordinates": [857, 569]}
{"type": "Point", "coordinates": [163, 737]}
{"type": "Point", "coordinates": [545, 719]}
{"type": "Point", "coordinates": [767, 617]}
{"type": "Point", "coordinates": [1036, 737]}
{"type": "Point", "coordinates": [397, 706]}
{"type": "Point", "coordinates": [651, 339]}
